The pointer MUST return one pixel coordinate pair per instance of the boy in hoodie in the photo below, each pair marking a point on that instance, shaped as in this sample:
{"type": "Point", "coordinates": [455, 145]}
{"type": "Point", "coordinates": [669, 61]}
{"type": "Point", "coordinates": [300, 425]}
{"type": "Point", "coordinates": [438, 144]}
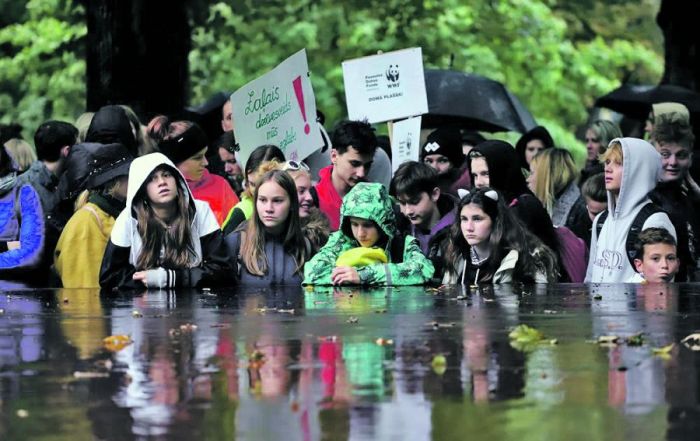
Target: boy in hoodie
{"type": "Point", "coordinates": [430, 211]}
{"type": "Point", "coordinates": [632, 168]}
{"type": "Point", "coordinates": [368, 221]}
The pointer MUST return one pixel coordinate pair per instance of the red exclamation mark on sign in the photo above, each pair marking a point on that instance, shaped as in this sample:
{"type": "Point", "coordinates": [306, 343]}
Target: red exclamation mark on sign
{"type": "Point", "coordinates": [300, 99]}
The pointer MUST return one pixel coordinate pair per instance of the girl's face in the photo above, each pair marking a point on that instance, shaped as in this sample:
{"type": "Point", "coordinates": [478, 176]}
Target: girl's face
{"type": "Point", "coordinates": [475, 224]}
{"type": "Point", "coordinates": [365, 231]}
{"type": "Point", "coordinates": [251, 180]}
{"type": "Point", "coordinates": [592, 145]}
{"type": "Point", "coordinates": [480, 172]}
{"type": "Point", "coordinates": [532, 148]}
{"type": "Point", "coordinates": [193, 167]}
{"type": "Point", "coordinates": [273, 206]}
{"type": "Point", "coordinates": [440, 163]}
{"type": "Point", "coordinates": [161, 188]}
{"type": "Point", "coordinates": [306, 201]}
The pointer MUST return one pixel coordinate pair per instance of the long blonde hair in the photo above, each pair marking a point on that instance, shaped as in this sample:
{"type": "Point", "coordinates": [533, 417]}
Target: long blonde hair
{"type": "Point", "coordinates": [555, 170]}
{"type": "Point", "coordinates": [175, 239]}
{"type": "Point", "coordinates": [253, 247]}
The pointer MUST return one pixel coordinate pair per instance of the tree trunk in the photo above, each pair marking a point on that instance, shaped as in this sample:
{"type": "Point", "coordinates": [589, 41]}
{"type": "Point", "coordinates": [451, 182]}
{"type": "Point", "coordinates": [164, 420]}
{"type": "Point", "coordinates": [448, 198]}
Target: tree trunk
{"type": "Point", "coordinates": [137, 55]}
{"type": "Point", "coordinates": [681, 44]}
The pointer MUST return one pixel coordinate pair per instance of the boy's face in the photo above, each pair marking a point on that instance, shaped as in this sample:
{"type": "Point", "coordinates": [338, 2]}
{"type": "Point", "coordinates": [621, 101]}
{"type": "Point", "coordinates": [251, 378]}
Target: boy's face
{"type": "Point", "coordinates": [675, 161]}
{"type": "Point", "coordinates": [659, 263]}
{"type": "Point", "coordinates": [594, 207]}
{"type": "Point", "coordinates": [613, 176]}
{"type": "Point", "coordinates": [350, 167]}
{"type": "Point", "coordinates": [420, 209]}
{"type": "Point", "coordinates": [365, 231]}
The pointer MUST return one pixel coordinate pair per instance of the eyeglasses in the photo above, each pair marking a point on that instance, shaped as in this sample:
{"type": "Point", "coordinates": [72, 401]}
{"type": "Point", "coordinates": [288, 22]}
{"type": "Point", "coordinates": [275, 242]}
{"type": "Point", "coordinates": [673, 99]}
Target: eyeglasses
{"type": "Point", "coordinates": [295, 166]}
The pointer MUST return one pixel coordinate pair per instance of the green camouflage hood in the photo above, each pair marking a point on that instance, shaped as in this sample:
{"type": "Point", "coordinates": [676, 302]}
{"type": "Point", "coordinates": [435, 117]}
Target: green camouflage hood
{"type": "Point", "coordinates": [368, 201]}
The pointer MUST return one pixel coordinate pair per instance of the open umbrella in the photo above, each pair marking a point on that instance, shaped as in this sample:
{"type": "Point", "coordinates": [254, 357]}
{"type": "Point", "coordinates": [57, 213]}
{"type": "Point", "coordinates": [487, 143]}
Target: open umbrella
{"type": "Point", "coordinates": [635, 100]}
{"type": "Point", "coordinates": [208, 115]}
{"type": "Point", "coordinates": [473, 102]}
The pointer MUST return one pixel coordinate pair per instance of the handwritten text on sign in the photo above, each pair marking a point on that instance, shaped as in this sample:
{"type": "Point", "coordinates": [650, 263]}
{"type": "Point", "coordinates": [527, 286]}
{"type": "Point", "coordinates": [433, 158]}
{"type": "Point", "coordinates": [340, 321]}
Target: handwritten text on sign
{"type": "Point", "coordinates": [278, 108]}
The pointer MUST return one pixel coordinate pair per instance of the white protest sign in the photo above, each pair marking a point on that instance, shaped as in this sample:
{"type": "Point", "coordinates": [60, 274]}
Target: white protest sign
{"type": "Point", "coordinates": [385, 87]}
{"type": "Point", "coordinates": [405, 142]}
{"type": "Point", "coordinates": [278, 108]}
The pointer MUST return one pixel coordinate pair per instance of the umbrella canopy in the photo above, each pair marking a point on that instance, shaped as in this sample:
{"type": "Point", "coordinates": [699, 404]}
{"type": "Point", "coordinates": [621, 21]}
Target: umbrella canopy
{"type": "Point", "coordinates": [473, 102]}
{"type": "Point", "coordinates": [208, 115]}
{"type": "Point", "coordinates": [635, 100]}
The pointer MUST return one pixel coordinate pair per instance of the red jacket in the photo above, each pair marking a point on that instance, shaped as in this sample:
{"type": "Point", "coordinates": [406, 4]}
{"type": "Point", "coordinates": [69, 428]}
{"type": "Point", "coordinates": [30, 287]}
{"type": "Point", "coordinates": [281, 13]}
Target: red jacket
{"type": "Point", "coordinates": [216, 192]}
{"type": "Point", "coordinates": [329, 201]}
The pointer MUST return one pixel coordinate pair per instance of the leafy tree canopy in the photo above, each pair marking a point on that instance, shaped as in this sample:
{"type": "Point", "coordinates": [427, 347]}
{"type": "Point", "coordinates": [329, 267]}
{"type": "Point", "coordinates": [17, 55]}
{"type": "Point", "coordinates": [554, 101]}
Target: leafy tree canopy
{"type": "Point", "coordinates": [557, 57]}
{"type": "Point", "coordinates": [556, 60]}
{"type": "Point", "coordinates": [42, 68]}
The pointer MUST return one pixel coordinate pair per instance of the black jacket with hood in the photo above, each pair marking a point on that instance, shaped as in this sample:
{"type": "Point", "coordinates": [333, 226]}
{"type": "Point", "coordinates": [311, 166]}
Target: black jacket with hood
{"type": "Point", "coordinates": [506, 177]}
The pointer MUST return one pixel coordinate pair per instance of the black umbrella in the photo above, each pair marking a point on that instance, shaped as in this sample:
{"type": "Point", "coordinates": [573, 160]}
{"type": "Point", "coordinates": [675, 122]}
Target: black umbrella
{"type": "Point", "coordinates": [208, 115]}
{"type": "Point", "coordinates": [635, 100]}
{"type": "Point", "coordinates": [473, 102]}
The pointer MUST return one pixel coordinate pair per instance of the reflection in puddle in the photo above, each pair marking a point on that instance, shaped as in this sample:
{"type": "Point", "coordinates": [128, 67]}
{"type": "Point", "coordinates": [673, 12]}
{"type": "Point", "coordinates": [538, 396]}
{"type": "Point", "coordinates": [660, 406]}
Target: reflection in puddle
{"type": "Point", "coordinates": [292, 364]}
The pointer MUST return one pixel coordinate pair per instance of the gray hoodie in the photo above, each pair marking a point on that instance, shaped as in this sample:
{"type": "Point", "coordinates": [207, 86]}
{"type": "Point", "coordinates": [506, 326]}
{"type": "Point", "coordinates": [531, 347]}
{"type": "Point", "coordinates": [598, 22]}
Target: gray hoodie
{"type": "Point", "coordinates": [608, 261]}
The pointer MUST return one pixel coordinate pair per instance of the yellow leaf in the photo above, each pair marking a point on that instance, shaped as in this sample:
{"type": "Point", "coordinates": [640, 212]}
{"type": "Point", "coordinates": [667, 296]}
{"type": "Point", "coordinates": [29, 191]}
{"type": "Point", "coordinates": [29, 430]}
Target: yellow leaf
{"type": "Point", "coordinates": [116, 343]}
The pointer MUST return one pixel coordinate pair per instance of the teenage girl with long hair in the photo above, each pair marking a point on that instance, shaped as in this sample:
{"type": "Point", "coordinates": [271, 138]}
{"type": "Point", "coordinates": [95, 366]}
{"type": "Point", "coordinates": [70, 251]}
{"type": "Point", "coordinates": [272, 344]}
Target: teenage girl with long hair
{"type": "Point", "coordinates": [489, 245]}
{"type": "Point", "coordinates": [270, 248]}
{"type": "Point", "coordinates": [164, 238]}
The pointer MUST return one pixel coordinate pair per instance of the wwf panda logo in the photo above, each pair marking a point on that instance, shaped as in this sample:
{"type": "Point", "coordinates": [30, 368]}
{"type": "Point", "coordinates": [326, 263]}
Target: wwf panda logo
{"type": "Point", "coordinates": [392, 74]}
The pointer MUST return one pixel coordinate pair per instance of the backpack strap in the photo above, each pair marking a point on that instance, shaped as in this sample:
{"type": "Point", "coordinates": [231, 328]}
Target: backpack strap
{"type": "Point", "coordinates": [637, 226]}
{"type": "Point", "coordinates": [599, 224]}
{"type": "Point", "coordinates": [18, 206]}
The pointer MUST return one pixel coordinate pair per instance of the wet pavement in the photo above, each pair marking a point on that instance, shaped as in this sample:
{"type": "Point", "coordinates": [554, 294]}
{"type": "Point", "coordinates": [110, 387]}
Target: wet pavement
{"type": "Point", "coordinates": [390, 363]}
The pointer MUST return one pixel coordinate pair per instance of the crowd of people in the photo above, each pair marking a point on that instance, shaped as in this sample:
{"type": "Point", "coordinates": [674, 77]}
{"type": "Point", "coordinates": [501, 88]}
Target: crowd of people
{"type": "Point", "coordinates": [108, 202]}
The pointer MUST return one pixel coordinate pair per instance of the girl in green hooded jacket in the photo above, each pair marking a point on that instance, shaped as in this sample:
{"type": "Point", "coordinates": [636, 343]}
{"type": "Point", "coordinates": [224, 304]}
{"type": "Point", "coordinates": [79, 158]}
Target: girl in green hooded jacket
{"type": "Point", "coordinates": [367, 249]}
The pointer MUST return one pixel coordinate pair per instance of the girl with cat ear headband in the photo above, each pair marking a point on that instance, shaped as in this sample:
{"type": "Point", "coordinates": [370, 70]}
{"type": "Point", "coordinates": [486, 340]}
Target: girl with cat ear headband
{"type": "Point", "coordinates": [489, 245]}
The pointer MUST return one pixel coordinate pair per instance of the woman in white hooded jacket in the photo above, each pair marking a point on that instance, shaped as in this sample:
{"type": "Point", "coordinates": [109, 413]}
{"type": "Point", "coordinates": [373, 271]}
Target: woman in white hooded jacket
{"type": "Point", "coordinates": [164, 238]}
{"type": "Point", "coordinates": [632, 168]}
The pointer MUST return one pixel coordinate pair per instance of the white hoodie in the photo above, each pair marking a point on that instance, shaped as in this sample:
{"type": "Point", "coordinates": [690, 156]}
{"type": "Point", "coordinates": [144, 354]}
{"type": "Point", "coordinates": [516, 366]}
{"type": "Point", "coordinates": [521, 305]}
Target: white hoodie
{"type": "Point", "coordinates": [608, 262]}
{"type": "Point", "coordinates": [125, 232]}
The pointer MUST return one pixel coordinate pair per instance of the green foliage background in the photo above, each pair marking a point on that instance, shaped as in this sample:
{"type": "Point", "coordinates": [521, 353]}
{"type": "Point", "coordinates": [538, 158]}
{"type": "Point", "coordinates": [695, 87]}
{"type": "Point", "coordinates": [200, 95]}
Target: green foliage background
{"type": "Point", "coordinates": [556, 56]}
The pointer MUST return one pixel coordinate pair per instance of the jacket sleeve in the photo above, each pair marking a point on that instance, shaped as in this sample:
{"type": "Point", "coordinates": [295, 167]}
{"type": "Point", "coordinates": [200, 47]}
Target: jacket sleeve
{"type": "Point", "coordinates": [317, 271]}
{"type": "Point", "coordinates": [416, 269]}
{"type": "Point", "coordinates": [233, 220]}
{"type": "Point", "coordinates": [215, 269]}
{"type": "Point", "coordinates": [116, 271]}
{"type": "Point", "coordinates": [31, 232]}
